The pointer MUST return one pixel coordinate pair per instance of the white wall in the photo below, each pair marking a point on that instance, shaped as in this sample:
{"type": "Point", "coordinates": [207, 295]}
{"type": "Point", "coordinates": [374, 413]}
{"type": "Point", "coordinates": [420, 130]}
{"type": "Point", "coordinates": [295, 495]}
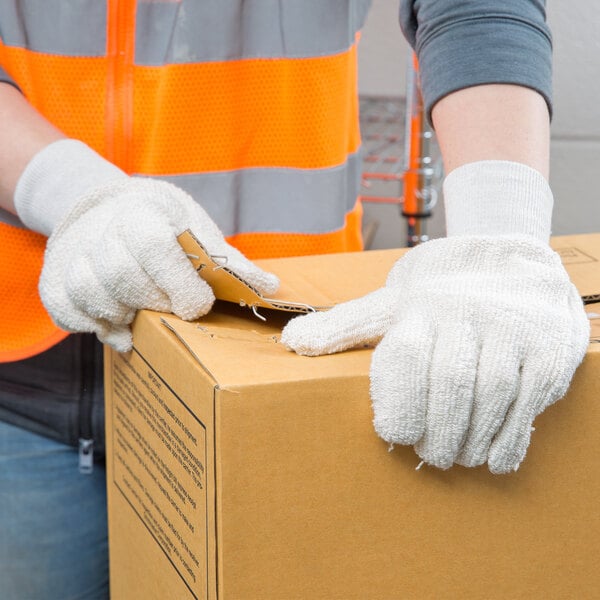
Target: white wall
{"type": "Point", "coordinates": [575, 147]}
{"type": "Point", "coordinates": [383, 52]}
{"type": "Point", "coordinates": [575, 144]}
{"type": "Point", "coordinates": [382, 63]}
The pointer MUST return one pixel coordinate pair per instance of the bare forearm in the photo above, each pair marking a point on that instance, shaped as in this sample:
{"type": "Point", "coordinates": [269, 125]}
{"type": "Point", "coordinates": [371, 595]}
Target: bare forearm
{"type": "Point", "coordinates": [493, 122]}
{"type": "Point", "coordinates": [486, 77]}
{"type": "Point", "coordinates": [24, 133]}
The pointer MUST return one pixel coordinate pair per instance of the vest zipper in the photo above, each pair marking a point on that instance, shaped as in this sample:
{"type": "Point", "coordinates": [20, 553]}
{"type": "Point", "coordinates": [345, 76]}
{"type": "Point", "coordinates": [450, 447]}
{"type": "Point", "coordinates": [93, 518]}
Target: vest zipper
{"type": "Point", "coordinates": [120, 50]}
{"type": "Point", "coordinates": [86, 456]}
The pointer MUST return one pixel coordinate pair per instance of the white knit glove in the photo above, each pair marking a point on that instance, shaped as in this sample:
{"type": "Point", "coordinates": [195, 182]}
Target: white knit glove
{"type": "Point", "coordinates": [480, 331]}
{"type": "Point", "coordinates": [113, 247]}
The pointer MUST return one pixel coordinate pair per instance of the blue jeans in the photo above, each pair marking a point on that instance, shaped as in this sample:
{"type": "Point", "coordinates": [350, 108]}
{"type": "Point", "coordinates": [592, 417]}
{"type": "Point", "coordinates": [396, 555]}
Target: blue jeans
{"type": "Point", "coordinates": [53, 538]}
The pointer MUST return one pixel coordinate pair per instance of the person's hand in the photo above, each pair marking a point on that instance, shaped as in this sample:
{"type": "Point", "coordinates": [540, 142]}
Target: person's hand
{"type": "Point", "coordinates": [479, 334]}
{"type": "Point", "coordinates": [115, 251]}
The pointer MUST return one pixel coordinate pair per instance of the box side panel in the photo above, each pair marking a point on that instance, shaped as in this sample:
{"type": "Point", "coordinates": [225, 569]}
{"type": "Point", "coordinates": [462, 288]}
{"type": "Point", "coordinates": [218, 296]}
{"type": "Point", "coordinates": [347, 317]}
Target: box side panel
{"type": "Point", "coordinates": [312, 504]}
{"type": "Point", "coordinates": [159, 465]}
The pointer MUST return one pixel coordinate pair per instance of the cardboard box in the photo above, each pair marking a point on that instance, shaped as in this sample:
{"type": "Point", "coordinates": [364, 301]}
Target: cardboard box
{"type": "Point", "coordinates": [240, 471]}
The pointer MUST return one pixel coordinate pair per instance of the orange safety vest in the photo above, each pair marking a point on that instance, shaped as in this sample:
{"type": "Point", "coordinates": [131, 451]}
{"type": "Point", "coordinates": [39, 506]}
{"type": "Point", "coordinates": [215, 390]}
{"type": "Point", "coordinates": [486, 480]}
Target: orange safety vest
{"type": "Point", "coordinates": [250, 107]}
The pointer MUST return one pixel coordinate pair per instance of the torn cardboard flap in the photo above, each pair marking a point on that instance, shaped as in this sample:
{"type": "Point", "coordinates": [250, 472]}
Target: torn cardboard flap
{"type": "Point", "coordinates": [315, 283]}
{"type": "Point", "coordinates": [301, 278]}
{"type": "Point", "coordinates": [230, 287]}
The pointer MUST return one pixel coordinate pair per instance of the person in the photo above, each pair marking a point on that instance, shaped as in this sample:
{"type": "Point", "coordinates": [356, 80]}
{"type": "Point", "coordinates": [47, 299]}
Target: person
{"type": "Point", "coordinates": [121, 119]}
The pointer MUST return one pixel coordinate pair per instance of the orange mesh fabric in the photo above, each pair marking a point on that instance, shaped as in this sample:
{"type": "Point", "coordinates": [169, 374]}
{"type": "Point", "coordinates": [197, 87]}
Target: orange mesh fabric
{"type": "Point", "coordinates": [276, 245]}
{"type": "Point", "coordinates": [200, 117]}
{"type": "Point", "coordinates": [119, 84]}
{"type": "Point", "coordinates": [25, 328]}
{"type": "Point", "coordinates": [47, 82]}
{"type": "Point", "coordinates": [222, 116]}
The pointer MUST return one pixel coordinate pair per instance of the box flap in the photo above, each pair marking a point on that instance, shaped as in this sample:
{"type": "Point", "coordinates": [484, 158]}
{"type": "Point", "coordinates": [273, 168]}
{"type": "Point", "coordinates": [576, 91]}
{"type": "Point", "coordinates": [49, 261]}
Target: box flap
{"type": "Point", "coordinates": [303, 279]}
{"type": "Point", "coordinates": [319, 282]}
{"type": "Point", "coordinates": [322, 281]}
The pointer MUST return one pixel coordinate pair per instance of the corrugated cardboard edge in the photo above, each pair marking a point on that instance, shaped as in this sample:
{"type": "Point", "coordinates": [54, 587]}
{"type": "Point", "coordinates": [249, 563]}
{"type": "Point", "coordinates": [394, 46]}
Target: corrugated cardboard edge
{"type": "Point", "coordinates": [593, 311]}
{"type": "Point", "coordinates": [228, 286]}
{"type": "Point", "coordinates": [577, 252]}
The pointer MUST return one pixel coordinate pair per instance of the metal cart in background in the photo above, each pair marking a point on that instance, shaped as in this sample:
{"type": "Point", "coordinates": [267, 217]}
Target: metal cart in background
{"type": "Point", "coordinates": [401, 157]}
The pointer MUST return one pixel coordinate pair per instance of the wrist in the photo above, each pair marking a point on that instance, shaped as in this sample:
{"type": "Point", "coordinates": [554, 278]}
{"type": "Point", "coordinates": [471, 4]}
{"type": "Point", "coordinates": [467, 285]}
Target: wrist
{"type": "Point", "coordinates": [56, 178]}
{"type": "Point", "coordinates": [497, 198]}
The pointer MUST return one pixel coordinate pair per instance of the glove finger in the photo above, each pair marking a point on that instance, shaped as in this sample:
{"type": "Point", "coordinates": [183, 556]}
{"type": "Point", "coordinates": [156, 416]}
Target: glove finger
{"type": "Point", "coordinates": [399, 380]}
{"type": "Point", "coordinates": [78, 302]}
{"type": "Point", "coordinates": [545, 378]}
{"type": "Point", "coordinates": [541, 385]}
{"type": "Point", "coordinates": [347, 325]}
{"type": "Point", "coordinates": [176, 207]}
{"type": "Point", "coordinates": [496, 389]}
{"type": "Point", "coordinates": [124, 278]}
{"type": "Point", "coordinates": [57, 301]}
{"type": "Point", "coordinates": [66, 315]}
{"type": "Point", "coordinates": [90, 297]}
{"type": "Point", "coordinates": [118, 337]}
{"type": "Point", "coordinates": [262, 281]}
{"type": "Point", "coordinates": [158, 253]}
{"type": "Point", "coordinates": [451, 388]}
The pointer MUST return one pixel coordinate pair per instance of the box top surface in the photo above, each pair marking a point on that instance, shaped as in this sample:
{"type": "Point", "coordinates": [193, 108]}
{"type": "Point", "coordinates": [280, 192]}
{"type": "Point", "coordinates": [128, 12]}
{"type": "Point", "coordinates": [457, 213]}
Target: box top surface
{"type": "Point", "coordinates": [237, 350]}
{"type": "Point", "coordinates": [232, 335]}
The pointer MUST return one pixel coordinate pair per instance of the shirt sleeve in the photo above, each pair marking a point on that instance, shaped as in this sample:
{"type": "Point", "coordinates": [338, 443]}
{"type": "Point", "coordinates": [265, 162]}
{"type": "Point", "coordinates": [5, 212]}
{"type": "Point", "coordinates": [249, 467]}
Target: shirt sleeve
{"type": "Point", "coordinates": [461, 44]}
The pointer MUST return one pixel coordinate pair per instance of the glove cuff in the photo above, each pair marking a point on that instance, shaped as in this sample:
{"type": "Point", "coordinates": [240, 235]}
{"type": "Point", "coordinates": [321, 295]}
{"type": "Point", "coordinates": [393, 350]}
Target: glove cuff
{"type": "Point", "coordinates": [497, 197]}
{"type": "Point", "coordinates": [55, 179]}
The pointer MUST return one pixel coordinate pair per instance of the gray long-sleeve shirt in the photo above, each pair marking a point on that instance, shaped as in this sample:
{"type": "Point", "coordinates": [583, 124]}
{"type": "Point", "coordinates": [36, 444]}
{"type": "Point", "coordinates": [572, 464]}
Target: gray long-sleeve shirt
{"type": "Point", "coordinates": [464, 43]}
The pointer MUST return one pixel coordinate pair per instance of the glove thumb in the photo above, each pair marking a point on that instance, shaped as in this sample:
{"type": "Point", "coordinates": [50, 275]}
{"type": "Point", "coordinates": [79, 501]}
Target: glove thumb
{"type": "Point", "coordinates": [362, 321]}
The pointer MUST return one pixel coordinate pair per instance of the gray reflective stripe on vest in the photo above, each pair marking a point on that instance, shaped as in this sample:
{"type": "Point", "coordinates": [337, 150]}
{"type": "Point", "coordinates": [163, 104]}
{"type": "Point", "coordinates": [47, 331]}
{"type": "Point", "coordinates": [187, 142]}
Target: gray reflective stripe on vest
{"type": "Point", "coordinates": [193, 31]}
{"type": "Point", "coordinates": [55, 26]}
{"type": "Point", "coordinates": [270, 200]}
{"type": "Point", "coordinates": [277, 199]}
{"type": "Point", "coordinates": [188, 30]}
